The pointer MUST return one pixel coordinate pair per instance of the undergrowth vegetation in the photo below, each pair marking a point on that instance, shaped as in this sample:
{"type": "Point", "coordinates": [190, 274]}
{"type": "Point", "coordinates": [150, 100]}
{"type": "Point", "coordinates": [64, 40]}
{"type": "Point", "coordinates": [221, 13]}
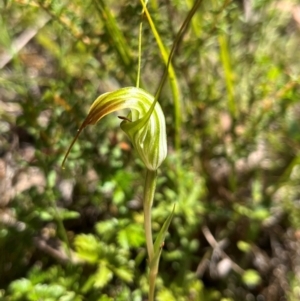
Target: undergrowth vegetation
{"type": "Point", "coordinates": [232, 111]}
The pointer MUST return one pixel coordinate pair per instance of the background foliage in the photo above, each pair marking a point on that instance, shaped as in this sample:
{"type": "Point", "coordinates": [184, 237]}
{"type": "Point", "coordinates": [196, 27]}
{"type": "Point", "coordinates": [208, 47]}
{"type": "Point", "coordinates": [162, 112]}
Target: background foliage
{"type": "Point", "coordinates": [76, 234]}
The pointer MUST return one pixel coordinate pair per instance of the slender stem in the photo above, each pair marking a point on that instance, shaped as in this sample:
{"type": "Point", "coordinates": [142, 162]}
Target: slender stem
{"type": "Point", "coordinates": [152, 278]}
{"type": "Point", "coordinates": [150, 185]}
{"type": "Point", "coordinates": [149, 190]}
{"type": "Point", "coordinates": [178, 37]}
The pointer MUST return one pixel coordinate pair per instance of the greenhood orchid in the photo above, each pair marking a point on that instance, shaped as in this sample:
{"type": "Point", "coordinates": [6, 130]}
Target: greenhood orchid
{"type": "Point", "coordinates": [146, 128]}
{"type": "Point", "coordinates": [145, 125]}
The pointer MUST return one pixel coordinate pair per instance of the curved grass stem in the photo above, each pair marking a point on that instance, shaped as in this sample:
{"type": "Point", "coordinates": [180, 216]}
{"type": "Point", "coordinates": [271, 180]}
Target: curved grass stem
{"type": "Point", "coordinates": [169, 70]}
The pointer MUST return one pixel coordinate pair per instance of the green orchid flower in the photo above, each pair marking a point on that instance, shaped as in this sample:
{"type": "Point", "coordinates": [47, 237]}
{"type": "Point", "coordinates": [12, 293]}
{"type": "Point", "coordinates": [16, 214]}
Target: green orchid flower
{"type": "Point", "coordinates": [145, 125]}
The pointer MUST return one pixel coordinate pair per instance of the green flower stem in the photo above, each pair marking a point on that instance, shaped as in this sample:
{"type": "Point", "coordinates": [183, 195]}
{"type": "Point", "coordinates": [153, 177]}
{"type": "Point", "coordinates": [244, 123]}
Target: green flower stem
{"type": "Point", "coordinates": [150, 185]}
{"type": "Point", "coordinates": [152, 278]}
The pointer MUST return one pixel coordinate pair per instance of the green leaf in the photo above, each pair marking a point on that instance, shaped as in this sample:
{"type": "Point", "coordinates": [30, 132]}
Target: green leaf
{"type": "Point", "coordinates": [107, 229]}
{"type": "Point", "coordinates": [88, 284]}
{"type": "Point", "coordinates": [163, 232]}
{"type": "Point", "coordinates": [124, 274]}
{"type": "Point", "coordinates": [70, 296]}
{"type": "Point", "coordinates": [165, 294]}
{"type": "Point", "coordinates": [131, 236]}
{"type": "Point", "coordinates": [244, 246]}
{"type": "Point", "coordinates": [87, 247]}
{"type": "Point", "coordinates": [21, 286]}
{"type": "Point", "coordinates": [51, 213]}
{"type": "Point", "coordinates": [160, 240]}
{"type": "Point", "coordinates": [105, 298]}
{"type": "Point", "coordinates": [51, 178]}
{"type": "Point", "coordinates": [45, 215]}
{"type": "Point", "coordinates": [43, 291]}
{"type": "Point", "coordinates": [261, 213]}
{"type": "Point", "coordinates": [102, 276]}
{"type": "Point", "coordinates": [251, 277]}
{"type": "Point", "coordinates": [68, 214]}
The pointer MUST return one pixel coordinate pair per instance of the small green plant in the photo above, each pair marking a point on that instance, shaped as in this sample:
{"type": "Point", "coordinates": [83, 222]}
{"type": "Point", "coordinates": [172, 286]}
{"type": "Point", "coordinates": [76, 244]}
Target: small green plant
{"type": "Point", "coordinates": [231, 105]}
{"type": "Point", "coordinates": [146, 128]}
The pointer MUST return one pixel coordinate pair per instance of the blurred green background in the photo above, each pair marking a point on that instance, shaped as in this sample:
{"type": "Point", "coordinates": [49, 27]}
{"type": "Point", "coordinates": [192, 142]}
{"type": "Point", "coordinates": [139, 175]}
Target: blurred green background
{"type": "Point", "coordinates": [233, 160]}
